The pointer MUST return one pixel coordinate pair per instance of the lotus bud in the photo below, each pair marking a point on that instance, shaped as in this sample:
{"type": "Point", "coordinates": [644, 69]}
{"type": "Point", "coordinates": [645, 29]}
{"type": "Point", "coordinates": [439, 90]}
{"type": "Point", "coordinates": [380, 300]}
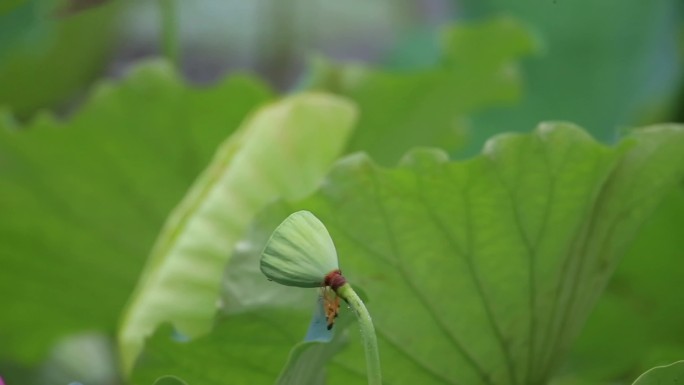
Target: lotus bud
{"type": "Point", "coordinates": [300, 253]}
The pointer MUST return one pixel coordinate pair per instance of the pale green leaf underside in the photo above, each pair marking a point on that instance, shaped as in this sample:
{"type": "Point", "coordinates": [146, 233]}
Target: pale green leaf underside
{"type": "Point", "coordinates": [483, 271]}
{"type": "Point", "coordinates": [672, 374]}
{"type": "Point", "coordinates": [283, 151]}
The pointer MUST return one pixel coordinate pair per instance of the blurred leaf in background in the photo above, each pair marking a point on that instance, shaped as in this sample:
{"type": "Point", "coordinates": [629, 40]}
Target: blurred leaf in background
{"type": "Point", "coordinates": [22, 21]}
{"type": "Point", "coordinates": [46, 60]}
{"type": "Point", "coordinates": [604, 66]}
{"type": "Point", "coordinates": [83, 200]}
{"type": "Point", "coordinates": [430, 107]}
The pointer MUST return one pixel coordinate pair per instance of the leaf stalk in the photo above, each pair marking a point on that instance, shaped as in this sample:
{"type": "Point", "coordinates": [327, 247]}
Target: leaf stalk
{"type": "Point", "coordinates": [370, 342]}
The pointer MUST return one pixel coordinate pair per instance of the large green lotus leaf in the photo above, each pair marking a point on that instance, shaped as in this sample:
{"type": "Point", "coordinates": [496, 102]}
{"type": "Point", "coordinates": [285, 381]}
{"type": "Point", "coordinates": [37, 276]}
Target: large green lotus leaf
{"type": "Point", "coordinates": [402, 110]}
{"type": "Point", "coordinates": [644, 294]}
{"type": "Point", "coordinates": [672, 374]}
{"type": "Point", "coordinates": [82, 200]}
{"type": "Point", "coordinates": [284, 151]}
{"type": "Point", "coordinates": [482, 271]}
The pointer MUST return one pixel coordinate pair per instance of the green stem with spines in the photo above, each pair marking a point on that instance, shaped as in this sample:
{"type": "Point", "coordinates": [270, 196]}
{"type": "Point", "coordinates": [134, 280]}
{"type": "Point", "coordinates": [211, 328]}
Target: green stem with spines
{"type": "Point", "coordinates": [370, 342]}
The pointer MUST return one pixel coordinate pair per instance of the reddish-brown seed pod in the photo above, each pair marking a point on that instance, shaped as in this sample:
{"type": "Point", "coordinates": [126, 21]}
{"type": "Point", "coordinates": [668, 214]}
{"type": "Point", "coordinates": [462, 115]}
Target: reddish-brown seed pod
{"type": "Point", "coordinates": [334, 279]}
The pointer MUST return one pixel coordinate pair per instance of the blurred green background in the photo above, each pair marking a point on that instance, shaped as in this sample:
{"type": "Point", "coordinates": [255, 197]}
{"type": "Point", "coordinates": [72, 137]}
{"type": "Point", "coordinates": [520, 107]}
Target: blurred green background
{"type": "Point", "coordinates": [606, 65]}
